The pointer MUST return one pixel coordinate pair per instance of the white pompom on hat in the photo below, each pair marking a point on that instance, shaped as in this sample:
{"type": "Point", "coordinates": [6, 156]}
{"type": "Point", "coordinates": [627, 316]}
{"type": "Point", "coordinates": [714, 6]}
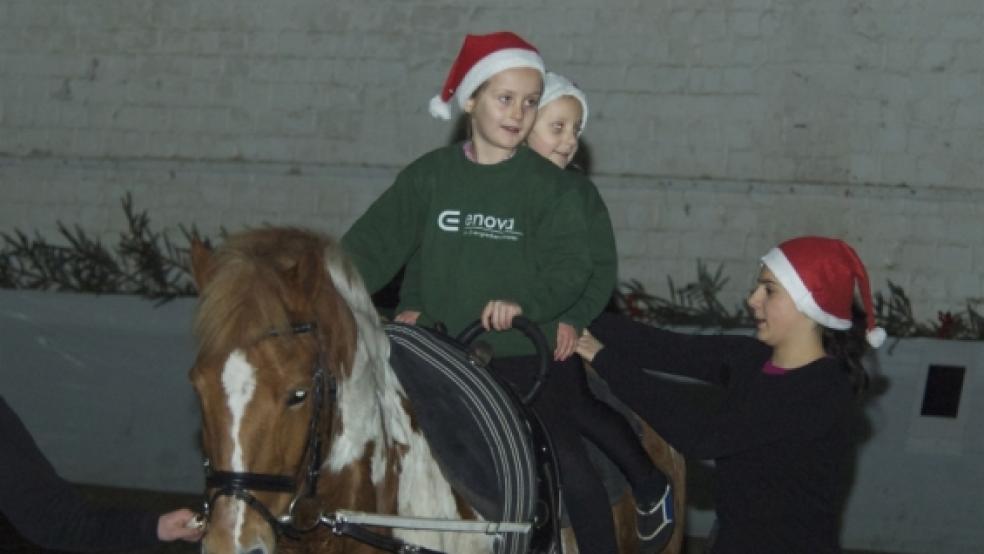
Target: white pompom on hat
{"type": "Point", "coordinates": [481, 57]}
{"type": "Point", "coordinates": [556, 86]}
{"type": "Point", "coordinates": [820, 274]}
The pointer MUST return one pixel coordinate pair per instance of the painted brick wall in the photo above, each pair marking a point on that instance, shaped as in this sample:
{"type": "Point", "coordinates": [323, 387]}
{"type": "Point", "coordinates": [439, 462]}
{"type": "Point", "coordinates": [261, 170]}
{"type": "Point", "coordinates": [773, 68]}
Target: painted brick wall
{"type": "Point", "coordinates": [718, 127]}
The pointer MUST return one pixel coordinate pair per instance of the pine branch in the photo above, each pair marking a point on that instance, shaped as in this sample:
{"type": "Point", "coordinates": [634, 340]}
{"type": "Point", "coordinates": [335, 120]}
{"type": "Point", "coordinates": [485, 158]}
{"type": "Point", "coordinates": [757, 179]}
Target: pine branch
{"type": "Point", "coordinates": [143, 262]}
{"type": "Point", "coordinates": [696, 304]}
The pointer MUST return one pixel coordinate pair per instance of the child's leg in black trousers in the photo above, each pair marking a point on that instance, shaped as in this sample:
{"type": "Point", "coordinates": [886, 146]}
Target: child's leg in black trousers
{"type": "Point", "coordinates": [613, 434]}
{"type": "Point", "coordinates": [584, 494]}
{"type": "Point", "coordinates": [610, 431]}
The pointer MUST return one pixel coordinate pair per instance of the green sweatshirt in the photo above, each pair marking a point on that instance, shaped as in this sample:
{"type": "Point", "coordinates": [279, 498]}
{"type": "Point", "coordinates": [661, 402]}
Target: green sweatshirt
{"type": "Point", "coordinates": [604, 258]}
{"type": "Point", "coordinates": [509, 231]}
{"type": "Point", "coordinates": [601, 250]}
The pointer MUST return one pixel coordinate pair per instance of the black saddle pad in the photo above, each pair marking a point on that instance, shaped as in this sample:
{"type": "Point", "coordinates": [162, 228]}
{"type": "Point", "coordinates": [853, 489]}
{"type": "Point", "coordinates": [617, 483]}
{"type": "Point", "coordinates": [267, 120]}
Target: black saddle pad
{"type": "Point", "coordinates": [472, 425]}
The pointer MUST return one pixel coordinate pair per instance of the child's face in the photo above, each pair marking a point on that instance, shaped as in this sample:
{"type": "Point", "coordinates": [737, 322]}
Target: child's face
{"type": "Point", "coordinates": [502, 112]}
{"type": "Point", "coordinates": [777, 320]}
{"type": "Point", "coordinates": [554, 134]}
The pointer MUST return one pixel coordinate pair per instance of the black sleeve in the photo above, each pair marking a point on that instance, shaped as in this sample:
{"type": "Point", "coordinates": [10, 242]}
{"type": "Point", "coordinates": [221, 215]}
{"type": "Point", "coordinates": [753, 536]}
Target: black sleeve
{"type": "Point", "coordinates": [706, 422]}
{"type": "Point", "coordinates": [48, 511]}
{"type": "Point", "coordinates": [767, 415]}
{"type": "Point", "coordinates": [710, 358]}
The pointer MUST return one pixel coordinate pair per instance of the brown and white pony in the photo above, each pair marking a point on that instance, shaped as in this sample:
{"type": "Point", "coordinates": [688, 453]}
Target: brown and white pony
{"type": "Point", "coordinates": [291, 349]}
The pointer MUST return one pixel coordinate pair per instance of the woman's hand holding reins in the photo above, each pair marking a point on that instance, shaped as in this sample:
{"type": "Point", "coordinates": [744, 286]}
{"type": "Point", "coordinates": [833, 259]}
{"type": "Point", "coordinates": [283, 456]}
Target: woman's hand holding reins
{"type": "Point", "coordinates": [498, 314]}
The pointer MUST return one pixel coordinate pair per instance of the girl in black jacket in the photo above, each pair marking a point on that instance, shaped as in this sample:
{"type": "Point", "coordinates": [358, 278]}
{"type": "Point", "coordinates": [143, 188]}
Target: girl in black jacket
{"type": "Point", "coordinates": [778, 417]}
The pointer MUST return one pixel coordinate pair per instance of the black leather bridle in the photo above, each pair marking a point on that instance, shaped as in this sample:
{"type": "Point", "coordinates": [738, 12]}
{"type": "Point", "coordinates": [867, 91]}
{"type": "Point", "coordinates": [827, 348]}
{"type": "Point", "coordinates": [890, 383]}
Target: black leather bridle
{"type": "Point", "coordinates": [239, 485]}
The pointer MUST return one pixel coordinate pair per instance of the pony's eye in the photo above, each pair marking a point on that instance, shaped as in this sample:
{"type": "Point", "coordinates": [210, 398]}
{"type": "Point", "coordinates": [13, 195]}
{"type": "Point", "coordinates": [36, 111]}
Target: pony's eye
{"type": "Point", "coordinates": [297, 397]}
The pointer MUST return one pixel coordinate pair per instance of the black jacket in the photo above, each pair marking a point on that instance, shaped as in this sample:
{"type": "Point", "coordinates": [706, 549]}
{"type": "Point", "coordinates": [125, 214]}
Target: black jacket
{"type": "Point", "coordinates": [48, 511]}
{"type": "Point", "coordinates": [782, 444]}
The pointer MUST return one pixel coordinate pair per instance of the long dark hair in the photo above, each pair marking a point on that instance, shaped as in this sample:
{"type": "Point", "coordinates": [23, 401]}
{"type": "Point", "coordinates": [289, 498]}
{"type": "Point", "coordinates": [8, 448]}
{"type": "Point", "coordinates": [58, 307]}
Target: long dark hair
{"type": "Point", "coordinates": [849, 347]}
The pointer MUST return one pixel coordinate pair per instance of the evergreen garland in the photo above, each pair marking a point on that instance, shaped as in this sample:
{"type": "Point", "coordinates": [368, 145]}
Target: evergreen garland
{"type": "Point", "coordinates": [696, 305]}
{"type": "Point", "coordinates": [142, 262]}
{"type": "Point", "coordinates": [150, 264]}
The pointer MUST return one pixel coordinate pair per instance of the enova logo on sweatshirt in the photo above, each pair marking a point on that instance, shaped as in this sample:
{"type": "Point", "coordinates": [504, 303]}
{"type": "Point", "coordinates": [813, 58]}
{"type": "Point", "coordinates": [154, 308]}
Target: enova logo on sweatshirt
{"type": "Point", "coordinates": [479, 225]}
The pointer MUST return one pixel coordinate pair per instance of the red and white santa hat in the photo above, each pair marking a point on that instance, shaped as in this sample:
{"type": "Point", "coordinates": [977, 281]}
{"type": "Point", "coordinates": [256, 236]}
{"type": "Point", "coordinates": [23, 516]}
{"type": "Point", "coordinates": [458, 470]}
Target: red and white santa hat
{"type": "Point", "coordinates": [481, 57]}
{"type": "Point", "coordinates": [820, 275]}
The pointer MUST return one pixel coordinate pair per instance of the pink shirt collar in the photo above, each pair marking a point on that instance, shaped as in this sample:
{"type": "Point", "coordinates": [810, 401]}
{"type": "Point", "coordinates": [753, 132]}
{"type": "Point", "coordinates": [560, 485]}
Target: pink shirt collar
{"type": "Point", "coordinates": [770, 368]}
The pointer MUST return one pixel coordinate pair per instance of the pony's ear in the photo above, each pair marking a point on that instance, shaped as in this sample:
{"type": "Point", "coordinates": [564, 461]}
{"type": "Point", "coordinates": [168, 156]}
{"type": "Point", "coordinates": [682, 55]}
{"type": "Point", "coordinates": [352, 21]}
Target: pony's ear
{"type": "Point", "coordinates": [201, 262]}
{"type": "Point", "coordinates": [306, 275]}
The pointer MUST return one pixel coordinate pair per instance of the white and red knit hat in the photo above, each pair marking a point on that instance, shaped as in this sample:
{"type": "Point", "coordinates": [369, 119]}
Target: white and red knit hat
{"type": "Point", "coordinates": [556, 86]}
{"type": "Point", "coordinates": [820, 275]}
{"type": "Point", "coordinates": [481, 57]}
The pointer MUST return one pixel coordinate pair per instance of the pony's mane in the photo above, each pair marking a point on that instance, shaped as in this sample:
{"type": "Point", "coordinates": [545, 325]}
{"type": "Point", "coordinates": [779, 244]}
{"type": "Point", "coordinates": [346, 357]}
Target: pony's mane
{"type": "Point", "coordinates": [246, 294]}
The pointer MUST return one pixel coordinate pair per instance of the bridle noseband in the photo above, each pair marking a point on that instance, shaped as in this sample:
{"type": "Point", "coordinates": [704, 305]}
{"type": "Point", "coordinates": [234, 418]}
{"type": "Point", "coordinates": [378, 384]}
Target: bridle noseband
{"type": "Point", "coordinates": [238, 484]}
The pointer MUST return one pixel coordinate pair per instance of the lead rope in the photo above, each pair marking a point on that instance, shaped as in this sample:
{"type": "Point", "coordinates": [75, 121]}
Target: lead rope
{"type": "Point", "coordinates": [350, 524]}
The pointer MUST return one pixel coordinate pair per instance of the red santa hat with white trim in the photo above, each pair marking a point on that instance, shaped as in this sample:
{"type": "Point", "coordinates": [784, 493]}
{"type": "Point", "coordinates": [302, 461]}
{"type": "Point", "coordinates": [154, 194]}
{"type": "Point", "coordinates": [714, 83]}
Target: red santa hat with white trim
{"type": "Point", "coordinates": [481, 57]}
{"type": "Point", "coordinates": [820, 275]}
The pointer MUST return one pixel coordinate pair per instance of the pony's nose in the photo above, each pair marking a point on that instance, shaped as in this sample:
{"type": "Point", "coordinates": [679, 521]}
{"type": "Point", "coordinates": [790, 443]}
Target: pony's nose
{"type": "Point", "coordinates": [257, 550]}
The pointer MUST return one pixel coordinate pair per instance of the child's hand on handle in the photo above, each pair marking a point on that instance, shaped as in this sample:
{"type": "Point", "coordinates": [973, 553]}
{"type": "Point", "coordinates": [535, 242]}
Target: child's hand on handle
{"type": "Point", "coordinates": [498, 314]}
{"type": "Point", "coordinates": [588, 346]}
{"type": "Point", "coordinates": [409, 317]}
{"type": "Point", "coordinates": [566, 341]}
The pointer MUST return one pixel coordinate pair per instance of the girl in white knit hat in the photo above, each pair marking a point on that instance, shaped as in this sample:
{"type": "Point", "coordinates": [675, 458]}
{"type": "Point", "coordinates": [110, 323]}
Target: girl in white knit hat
{"type": "Point", "coordinates": [560, 121]}
{"type": "Point", "coordinates": [779, 417]}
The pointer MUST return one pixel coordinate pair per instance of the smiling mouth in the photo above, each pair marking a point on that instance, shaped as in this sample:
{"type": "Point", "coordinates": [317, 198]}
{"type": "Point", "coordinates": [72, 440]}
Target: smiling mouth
{"type": "Point", "coordinates": [510, 129]}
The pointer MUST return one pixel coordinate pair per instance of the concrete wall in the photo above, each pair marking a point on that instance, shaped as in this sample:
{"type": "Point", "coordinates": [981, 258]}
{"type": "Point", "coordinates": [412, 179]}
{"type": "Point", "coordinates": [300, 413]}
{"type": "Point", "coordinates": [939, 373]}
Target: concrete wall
{"type": "Point", "coordinates": [718, 127]}
{"type": "Point", "coordinates": [919, 485]}
{"type": "Point", "coordinates": [102, 384]}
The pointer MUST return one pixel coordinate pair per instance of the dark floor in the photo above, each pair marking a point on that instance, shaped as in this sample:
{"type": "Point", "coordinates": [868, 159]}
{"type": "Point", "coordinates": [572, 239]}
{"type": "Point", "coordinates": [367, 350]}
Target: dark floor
{"type": "Point", "coordinates": [12, 543]}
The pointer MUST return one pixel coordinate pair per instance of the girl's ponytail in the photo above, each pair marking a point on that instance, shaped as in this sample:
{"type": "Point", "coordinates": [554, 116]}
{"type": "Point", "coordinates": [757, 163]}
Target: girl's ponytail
{"type": "Point", "coordinates": [849, 346]}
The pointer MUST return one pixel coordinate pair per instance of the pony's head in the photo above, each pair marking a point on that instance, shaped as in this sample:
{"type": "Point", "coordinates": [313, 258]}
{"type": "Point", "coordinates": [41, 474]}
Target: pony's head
{"type": "Point", "coordinates": [274, 338]}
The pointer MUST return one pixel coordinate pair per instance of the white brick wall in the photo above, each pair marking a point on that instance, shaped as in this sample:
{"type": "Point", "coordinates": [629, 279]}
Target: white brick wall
{"type": "Point", "coordinates": [717, 128]}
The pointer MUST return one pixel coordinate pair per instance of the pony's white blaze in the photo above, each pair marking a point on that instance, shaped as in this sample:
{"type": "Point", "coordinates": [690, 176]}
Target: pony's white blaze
{"type": "Point", "coordinates": [371, 402]}
{"type": "Point", "coordinates": [239, 383]}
